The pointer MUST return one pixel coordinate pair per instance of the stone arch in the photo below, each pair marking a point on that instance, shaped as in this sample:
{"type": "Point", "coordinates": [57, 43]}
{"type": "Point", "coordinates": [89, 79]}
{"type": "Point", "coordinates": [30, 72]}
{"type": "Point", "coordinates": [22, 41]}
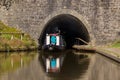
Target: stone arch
{"type": "Point", "coordinates": [72, 13]}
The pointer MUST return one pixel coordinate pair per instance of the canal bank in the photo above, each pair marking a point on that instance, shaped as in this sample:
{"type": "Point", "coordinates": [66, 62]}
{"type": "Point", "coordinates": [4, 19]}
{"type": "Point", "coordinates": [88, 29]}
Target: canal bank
{"type": "Point", "coordinates": [12, 39]}
{"type": "Point", "coordinates": [110, 52]}
{"type": "Point", "coordinates": [10, 44]}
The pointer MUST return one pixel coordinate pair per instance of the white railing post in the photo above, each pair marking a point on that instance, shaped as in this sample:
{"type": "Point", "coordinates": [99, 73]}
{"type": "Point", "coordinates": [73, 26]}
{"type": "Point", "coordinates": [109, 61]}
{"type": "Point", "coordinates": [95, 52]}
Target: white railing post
{"type": "Point", "coordinates": [21, 36]}
{"type": "Point", "coordinates": [12, 37]}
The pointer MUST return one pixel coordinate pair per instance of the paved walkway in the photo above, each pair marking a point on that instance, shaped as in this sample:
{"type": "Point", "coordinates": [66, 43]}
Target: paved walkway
{"type": "Point", "coordinates": [113, 51]}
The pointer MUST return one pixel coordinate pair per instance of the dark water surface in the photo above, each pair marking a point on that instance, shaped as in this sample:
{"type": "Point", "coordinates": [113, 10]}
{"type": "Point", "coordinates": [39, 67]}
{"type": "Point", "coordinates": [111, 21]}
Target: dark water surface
{"type": "Point", "coordinates": [76, 66]}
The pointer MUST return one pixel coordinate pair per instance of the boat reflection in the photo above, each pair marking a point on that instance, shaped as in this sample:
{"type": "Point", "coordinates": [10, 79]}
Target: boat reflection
{"type": "Point", "coordinates": [52, 61]}
{"type": "Point", "coordinates": [71, 65]}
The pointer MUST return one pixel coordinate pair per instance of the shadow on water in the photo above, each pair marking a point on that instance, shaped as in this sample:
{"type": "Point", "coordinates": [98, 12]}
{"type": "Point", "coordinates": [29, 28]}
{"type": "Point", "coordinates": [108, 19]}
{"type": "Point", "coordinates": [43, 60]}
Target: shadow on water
{"type": "Point", "coordinates": [72, 68]}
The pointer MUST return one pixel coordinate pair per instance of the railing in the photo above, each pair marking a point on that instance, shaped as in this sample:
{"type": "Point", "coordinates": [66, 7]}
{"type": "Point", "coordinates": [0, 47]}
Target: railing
{"type": "Point", "coordinates": [89, 46]}
{"type": "Point", "coordinates": [13, 34]}
{"type": "Point", "coordinates": [83, 41]}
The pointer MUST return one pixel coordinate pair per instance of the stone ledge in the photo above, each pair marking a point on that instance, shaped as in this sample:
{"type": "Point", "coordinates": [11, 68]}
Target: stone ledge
{"type": "Point", "coordinates": [109, 55]}
{"type": "Point", "coordinates": [112, 54]}
{"type": "Point", "coordinates": [112, 51]}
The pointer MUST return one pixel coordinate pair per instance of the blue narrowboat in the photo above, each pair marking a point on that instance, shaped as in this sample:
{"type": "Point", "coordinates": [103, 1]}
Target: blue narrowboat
{"type": "Point", "coordinates": [54, 42]}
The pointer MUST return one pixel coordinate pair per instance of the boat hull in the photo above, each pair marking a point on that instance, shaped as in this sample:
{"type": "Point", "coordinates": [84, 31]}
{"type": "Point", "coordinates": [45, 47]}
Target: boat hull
{"type": "Point", "coordinates": [53, 48]}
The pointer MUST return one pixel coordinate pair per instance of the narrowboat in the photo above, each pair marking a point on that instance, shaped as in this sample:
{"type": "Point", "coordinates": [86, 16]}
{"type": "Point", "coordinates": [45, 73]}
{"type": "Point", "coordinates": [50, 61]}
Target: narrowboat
{"type": "Point", "coordinates": [54, 41]}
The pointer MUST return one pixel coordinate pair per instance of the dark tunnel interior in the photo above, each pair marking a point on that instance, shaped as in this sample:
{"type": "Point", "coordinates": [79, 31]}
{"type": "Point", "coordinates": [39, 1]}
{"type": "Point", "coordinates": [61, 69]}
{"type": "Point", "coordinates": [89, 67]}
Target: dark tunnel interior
{"type": "Point", "coordinates": [70, 28]}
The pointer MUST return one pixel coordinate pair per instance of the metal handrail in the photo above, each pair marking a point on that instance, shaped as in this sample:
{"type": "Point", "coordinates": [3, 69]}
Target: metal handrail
{"type": "Point", "coordinates": [83, 41]}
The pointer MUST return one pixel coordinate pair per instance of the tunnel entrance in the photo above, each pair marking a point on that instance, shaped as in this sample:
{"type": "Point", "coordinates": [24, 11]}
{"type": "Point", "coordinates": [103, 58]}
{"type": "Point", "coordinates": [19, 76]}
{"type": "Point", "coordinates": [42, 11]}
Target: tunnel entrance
{"type": "Point", "coordinates": [70, 28]}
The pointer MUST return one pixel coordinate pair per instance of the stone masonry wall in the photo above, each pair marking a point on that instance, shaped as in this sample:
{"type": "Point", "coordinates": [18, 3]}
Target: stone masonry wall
{"type": "Point", "coordinates": [103, 16]}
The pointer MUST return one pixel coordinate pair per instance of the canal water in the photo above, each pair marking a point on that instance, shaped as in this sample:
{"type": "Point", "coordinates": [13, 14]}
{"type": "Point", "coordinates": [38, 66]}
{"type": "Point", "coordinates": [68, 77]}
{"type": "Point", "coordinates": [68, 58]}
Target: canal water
{"type": "Point", "coordinates": [76, 66]}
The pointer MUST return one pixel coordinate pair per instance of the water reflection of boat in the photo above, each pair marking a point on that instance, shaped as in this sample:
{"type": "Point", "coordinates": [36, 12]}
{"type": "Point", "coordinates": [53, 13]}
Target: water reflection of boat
{"type": "Point", "coordinates": [52, 65]}
{"type": "Point", "coordinates": [52, 62]}
{"type": "Point", "coordinates": [54, 42]}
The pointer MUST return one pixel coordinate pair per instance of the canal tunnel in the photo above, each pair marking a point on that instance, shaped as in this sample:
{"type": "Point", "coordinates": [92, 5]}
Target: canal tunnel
{"type": "Point", "coordinates": [70, 28]}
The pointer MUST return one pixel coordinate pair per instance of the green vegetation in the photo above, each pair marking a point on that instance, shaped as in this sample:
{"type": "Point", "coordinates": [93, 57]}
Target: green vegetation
{"type": "Point", "coordinates": [12, 39]}
{"type": "Point", "coordinates": [4, 28]}
{"type": "Point", "coordinates": [13, 61]}
{"type": "Point", "coordinates": [14, 42]}
{"type": "Point", "coordinates": [116, 44]}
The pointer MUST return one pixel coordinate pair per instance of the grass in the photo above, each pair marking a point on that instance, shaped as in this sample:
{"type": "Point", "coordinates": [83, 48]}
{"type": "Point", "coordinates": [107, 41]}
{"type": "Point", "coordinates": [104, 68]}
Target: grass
{"type": "Point", "coordinates": [14, 44]}
{"type": "Point", "coordinates": [116, 44]}
{"type": "Point", "coordinates": [5, 28]}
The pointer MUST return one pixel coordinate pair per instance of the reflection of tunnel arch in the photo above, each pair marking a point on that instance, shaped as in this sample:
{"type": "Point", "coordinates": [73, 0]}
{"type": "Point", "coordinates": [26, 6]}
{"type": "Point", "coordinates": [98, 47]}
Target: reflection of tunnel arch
{"type": "Point", "coordinates": [71, 27]}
